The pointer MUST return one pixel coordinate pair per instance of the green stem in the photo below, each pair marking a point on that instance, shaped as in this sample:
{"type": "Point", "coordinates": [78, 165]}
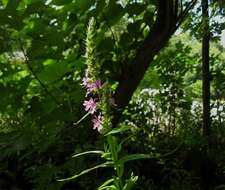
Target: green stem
{"type": "Point", "coordinates": [113, 149]}
{"type": "Point", "coordinates": [87, 114]}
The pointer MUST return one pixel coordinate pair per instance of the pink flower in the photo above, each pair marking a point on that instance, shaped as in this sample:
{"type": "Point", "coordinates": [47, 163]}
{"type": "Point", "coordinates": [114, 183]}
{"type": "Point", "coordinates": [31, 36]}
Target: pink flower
{"type": "Point", "coordinates": [93, 86]}
{"type": "Point", "coordinates": [90, 105]}
{"type": "Point", "coordinates": [97, 122]}
{"type": "Point", "coordinates": [90, 86]}
{"type": "Point", "coordinates": [85, 81]}
{"type": "Point", "coordinates": [98, 84]}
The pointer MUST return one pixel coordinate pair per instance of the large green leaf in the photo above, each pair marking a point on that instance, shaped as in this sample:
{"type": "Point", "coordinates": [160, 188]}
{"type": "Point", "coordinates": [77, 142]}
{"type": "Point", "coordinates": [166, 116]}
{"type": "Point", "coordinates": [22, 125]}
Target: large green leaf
{"type": "Point", "coordinates": [114, 13]}
{"type": "Point", "coordinates": [84, 4]}
{"type": "Point", "coordinates": [106, 45]}
{"type": "Point", "coordinates": [135, 8]}
{"type": "Point", "coordinates": [12, 5]}
{"type": "Point", "coordinates": [53, 70]}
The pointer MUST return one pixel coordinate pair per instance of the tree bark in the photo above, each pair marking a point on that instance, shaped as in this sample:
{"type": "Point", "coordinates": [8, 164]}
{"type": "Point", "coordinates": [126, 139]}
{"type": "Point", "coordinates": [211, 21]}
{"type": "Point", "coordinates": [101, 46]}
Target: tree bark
{"type": "Point", "coordinates": [205, 166]}
{"type": "Point", "coordinates": [155, 41]}
{"type": "Point", "coordinates": [168, 20]}
{"type": "Point", "coordinates": [205, 69]}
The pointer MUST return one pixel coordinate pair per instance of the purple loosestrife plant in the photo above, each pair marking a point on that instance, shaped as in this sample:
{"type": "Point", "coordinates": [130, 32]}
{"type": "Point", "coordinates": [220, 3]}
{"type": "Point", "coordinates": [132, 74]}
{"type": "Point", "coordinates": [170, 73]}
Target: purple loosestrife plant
{"type": "Point", "coordinates": [85, 81]}
{"type": "Point", "coordinates": [89, 84]}
{"type": "Point", "coordinates": [98, 103]}
{"type": "Point", "coordinates": [97, 122]}
{"type": "Point", "coordinates": [93, 86]}
{"type": "Point", "coordinates": [90, 105]}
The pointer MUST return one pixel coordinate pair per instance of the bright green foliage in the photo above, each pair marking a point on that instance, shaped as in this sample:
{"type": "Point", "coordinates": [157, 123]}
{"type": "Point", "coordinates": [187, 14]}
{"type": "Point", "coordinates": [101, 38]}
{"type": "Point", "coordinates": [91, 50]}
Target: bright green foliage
{"type": "Point", "coordinates": [42, 62]}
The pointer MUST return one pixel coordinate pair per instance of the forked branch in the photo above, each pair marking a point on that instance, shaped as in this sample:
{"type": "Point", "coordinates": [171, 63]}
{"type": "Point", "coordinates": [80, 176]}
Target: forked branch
{"type": "Point", "coordinates": [168, 20]}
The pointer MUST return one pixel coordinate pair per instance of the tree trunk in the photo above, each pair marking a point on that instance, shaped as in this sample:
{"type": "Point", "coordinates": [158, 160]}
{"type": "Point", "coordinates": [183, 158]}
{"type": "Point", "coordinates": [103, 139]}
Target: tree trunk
{"type": "Point", "coordinates": [205, 69]}
{"type": "Point", "coordinates": [205, 166]}
{"type": "Point", "coordinates": [168, 20]}
{"type": "Point", "coordinates": [155, 41]}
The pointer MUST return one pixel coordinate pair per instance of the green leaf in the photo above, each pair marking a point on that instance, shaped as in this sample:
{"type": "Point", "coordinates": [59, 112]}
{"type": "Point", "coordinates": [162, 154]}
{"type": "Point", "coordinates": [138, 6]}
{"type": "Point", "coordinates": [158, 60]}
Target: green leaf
{"type": "Point", "coordinates": [133, 157]}
{"type": "Point", "coordinates": [104, 165]}
{"type": "Point", "coordinates": [88, 152]}
{"type": "Point", "coordinates": [135, 8]}
{"type": "Point", "coordinates": [134, 28]}
{"type": "Point", "coordinates": [111, 187]}
{"type": "Point", "coordinates": [13, 19]}
{"type": "Point", "coordinates": [130, 183]}
{"type": "Point", "coordinates": [61, 2]}
{"type": "Point", "coordinates": [114, 13]}
{"type": "Point", "coordinates": [126, 39]}
{"type": "Point", "coordinates": [100, 5]}
{"type": "Point", "coordinates": [84, 5]}
{"type": "Point", "coordinates": [12, 5]}
{"type": "Point", "coordinates": [118, 130]}
{"type": "Point", "coordinates": [35, 7]}
{"type": "Point", "coordinates": [36, 49]}
{"type": "Point", "coordinates": [149, 17]}
{"type": "Point", "coordinates": [106, 45]}
{"type": "Point", "coordinates": [104, 185]}
{"type": "Point", "coordinates": [54, 37]}
{"type": "Point", "coordinates": [53, 70]}
{"type": "Point", "coordinates": [4, 2]}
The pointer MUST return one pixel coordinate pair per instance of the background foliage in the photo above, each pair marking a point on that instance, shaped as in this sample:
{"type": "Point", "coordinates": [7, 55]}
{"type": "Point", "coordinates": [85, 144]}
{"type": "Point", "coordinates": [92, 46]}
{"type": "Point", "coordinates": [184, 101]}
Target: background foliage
{"type": "Point", "coordinates": [41, 65]}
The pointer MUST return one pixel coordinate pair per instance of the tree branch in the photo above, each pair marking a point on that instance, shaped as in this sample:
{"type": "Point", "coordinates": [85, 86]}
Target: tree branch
{"type": "Point", "coordinates": [165, 25]}
{"type": "Point", "coordinates": [185, 12]}
{"type": "Point", "coordinates": [34, 74]}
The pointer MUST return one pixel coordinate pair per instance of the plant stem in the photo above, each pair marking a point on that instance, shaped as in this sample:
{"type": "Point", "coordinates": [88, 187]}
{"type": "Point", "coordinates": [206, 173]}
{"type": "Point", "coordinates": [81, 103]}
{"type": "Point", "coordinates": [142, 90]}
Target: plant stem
{"type": "Point", "coordinates": [113, 149]}
{"type": "Point", "coordinates": [87, 114]}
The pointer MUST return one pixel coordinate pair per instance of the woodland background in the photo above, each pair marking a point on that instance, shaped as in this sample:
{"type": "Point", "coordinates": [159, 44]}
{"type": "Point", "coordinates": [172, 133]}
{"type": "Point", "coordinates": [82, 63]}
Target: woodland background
{"type": "Point", "coordinates": [42, 63]}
